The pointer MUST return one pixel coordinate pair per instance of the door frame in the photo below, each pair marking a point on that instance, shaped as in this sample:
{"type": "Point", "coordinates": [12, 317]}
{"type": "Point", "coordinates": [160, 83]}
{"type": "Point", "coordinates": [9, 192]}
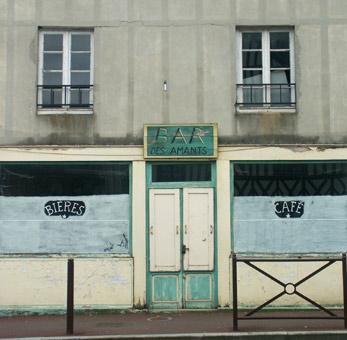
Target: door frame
{"type": "Point", "coordinates": [180, 185]}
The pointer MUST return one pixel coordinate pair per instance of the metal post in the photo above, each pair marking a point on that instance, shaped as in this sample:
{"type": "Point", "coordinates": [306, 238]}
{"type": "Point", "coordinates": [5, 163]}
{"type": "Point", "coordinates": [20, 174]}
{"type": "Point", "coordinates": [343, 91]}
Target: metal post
{"type": "Point", "coordinates": [344, 272]}
{"type": "Point", "coordinates": [235, 315]}
{"type": "Point", "coordinates": [70, 297]}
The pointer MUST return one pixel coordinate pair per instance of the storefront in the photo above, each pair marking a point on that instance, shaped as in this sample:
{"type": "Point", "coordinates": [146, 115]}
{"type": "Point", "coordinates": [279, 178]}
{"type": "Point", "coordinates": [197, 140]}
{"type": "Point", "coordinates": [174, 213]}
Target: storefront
{"type": "Point", "coordinates": [149, 230]}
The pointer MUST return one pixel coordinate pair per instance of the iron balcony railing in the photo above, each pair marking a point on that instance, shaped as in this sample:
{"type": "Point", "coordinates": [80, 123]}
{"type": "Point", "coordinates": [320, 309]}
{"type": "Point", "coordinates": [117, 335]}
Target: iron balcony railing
{"type": "Point", "coordinates": [64, 96]}
{"type": "Point", "coordinates": [266, 95]}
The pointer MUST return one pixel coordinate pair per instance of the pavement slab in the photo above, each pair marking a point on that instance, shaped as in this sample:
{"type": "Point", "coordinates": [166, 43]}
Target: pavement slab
{"type": "Point", "coordinates": [144, 323]}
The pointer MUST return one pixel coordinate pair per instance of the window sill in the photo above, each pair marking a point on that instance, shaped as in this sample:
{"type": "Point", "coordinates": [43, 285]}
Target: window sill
{"type": "Point", "coordinates": [264, 110]}
{"type": "Point", "coordinates": [65, 111]}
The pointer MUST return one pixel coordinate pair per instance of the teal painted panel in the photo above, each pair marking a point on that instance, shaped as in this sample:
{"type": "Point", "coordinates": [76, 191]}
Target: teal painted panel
{"type": "Point", "coordinates": [198, 287]}
{"type": "Point", "coordinates": [180, 141]}
{"type": "Point", "coordinates": [165, 288]}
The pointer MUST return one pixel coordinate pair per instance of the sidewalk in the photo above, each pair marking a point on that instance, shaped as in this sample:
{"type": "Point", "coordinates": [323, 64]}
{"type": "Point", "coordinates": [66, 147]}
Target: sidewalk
{"type": "Point", "coordinates": [215, 323]}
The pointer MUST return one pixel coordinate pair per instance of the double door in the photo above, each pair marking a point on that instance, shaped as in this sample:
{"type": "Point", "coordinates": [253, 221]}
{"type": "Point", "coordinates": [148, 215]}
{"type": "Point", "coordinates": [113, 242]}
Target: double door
{"type": "Point", "coordinates": [181, 247]}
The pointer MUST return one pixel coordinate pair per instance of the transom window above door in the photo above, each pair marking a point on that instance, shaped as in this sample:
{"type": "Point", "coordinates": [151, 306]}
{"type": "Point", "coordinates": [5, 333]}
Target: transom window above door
{"type": "Point", "coordinates": [189, 172]}
{"type": "Point", "coordinates": [65, 71]}
{"type": "Point", "coordinates": [265, 69]}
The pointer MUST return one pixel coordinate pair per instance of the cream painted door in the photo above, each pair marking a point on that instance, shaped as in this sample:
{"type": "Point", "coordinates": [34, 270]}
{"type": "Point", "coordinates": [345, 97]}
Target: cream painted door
{"type": "Point", "coordinates": [198, 230]}
{"type": "Point", "coordinates": [164, 230]}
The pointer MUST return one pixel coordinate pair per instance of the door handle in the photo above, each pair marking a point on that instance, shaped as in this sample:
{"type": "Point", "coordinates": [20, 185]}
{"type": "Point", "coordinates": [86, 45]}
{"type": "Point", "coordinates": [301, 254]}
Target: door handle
{"type": "Point", "coordinates": [186, 229]}
{"type": "Point", "coordinates": [177, 229]}
{"type": "Point", "coordinates": [211, 229]}
{"type": "Point", "coordinates": [151, 232]}
{"type": "Point", "coordinates": [184, 249]}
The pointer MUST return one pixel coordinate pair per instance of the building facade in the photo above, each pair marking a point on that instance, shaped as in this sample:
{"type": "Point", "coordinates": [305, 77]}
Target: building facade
{"type": "Point", "coordinates": [151, 139]}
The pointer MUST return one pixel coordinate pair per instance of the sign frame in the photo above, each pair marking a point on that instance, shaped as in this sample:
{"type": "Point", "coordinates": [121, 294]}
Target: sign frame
{"type": "Point", "coordinates": [214, 127]}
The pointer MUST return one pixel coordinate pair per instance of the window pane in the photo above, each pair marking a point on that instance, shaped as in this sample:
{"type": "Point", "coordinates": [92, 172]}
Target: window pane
{"type": "Point", "coordinates": [279, 40]}
{"type": "Point", "coordinates": [280, 77]}
{"type": "Point", "coordinates": [181, 172]}
{"type": "Point", "coordinates": [279, 60]}
{"type": "Point", "coordinates": [68, 179]}
{"type": "Point", "coordinates": [280, 95]}
{"type": "Point", "coordinates": [253, 77]}
{"type": "Point", "coordinates": [80, 78]}
{"type": "Point", "coordinates": [252, 59]}
{"type": "Point", "coordinates": [80, 42]}
{"type": "Point", "coordinates": [80, 61]}
{"type": "Point", "coordinates": [80, 97]}
{"type": "Point", "coordinates": [252, 95]}
{"type": "Point", "coordinates": [251, 41]}
{"type": "Point", "coordinates": [53, 42]}
{"type": "Point", "coordinates": [52, 78]}
{"type": "Point", "coordinates": [290, 179]}
{"type": "Point", "coordinates": [53, 61]}
{"type": "Point", "coordinates": [52, 97]}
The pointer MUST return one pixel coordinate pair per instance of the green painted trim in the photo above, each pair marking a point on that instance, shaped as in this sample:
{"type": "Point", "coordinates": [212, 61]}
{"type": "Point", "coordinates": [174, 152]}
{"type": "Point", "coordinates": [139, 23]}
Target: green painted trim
{"type": "Point", "coordinates": [40, 310]}
{"type": "Point", "coordinates": [289, 161]}
{"type": "Point", "coordinates": [232, 236]}
{"type": "Point", "coordinates": [130, 230]}
{"type": "Point", "coordinates": [65, 162]}
{"type": "Point", "coordinates": [180, 185]}
{"type": "Point", "coordinates": [148, 274]}
{"type": "Point", "coordinates": [62, 256]}
{"type": "Point", "coordinates": [216, 230]}
{"type": "Point", "coordinates": [181, 278]}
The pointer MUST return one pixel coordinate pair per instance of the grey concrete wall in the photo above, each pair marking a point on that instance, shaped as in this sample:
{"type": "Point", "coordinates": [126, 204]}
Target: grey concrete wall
{"type": "Point", "coordinates": [191, 45]}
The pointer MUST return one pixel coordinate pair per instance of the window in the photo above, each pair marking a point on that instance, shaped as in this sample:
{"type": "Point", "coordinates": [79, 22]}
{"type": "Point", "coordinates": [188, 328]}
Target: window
{"type": "Point", "coordinates": [65, 71]}
{"type": "Point", "coordinates": [65, 207]}
{"type": "Point", "coordinates": [289, 208]}
{"type": "Point", "coordinates": [181, 172]}
{"type": "Point", "coordinates": [265, 70]}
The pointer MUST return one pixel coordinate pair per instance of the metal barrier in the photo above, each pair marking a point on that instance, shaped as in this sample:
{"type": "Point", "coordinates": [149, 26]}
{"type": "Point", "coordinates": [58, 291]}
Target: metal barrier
{"type": "Point", "coordinates": [70, 297]}
{"type": "Point", "coordinates": [288, 288]}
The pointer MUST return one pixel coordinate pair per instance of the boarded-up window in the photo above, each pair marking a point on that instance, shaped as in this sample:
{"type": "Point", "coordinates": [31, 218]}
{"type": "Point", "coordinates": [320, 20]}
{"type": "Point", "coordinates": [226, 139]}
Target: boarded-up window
{"type": "Point", "coordinates": [64, 208]}
{"type": "Point", "coordinates": [290, 207]}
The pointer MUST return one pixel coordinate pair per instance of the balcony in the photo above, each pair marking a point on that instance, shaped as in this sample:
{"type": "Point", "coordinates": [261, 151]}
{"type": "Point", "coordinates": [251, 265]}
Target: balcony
{"type": "Point", "coordinates": [71, 98]}
{"type": "Point", "coordinates": [269, 97]}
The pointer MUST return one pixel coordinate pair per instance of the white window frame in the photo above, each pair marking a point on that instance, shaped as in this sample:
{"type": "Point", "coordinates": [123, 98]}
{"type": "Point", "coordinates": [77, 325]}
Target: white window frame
{"type": "Point", "coordinates": [266, 69]}
{"type": "Point", "coordinates": [66, 70]}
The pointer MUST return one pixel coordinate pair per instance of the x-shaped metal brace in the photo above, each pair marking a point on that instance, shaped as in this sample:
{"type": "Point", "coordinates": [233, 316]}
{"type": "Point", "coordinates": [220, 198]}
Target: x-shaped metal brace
{"type": "Point", "coordinates": [290, 288]}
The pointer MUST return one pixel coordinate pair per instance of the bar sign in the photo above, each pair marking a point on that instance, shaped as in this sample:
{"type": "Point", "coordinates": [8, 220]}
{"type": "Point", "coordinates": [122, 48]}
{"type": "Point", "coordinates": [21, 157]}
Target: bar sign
{"type": "Point", "coordinates": [180, 141]}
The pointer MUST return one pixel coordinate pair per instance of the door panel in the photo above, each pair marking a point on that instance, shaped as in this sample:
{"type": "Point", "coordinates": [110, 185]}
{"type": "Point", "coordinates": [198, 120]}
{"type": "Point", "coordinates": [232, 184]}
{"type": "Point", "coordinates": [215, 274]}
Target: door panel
{"type": "Point", "coordinates": [164, 232]}
{"type": "Point", "coordinates": [165, 289]}
{"type": "Point", "coordinates": [198, 221]}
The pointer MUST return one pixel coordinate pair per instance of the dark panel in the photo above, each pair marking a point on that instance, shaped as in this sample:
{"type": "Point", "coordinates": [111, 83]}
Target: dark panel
{"type": "Point", "coordinates": [53, 42]}
{"type": "Point", "coordinates": [279, 59]}
{"type": "Point", "coordinates": [251, 41]}
{"type": "Point", "coordinates": [313, 179]}
{"type": "Point", "coordinates": [67, 179]}
{"type": "Point", "coordinates": [252, 59]}
{"type": "Point", "coordinates": [279, 40]}
{"type": "Point", "coordinates": [181, 172]}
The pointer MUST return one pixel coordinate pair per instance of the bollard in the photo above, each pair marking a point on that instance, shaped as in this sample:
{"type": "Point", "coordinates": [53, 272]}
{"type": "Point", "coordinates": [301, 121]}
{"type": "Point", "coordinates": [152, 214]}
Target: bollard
{"type": "Point", "coordinates": [70, 297]}
{"type": "Point", "coordinates": [344, 282]}
{"type": "Point", "coordinates": [235, 311]}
